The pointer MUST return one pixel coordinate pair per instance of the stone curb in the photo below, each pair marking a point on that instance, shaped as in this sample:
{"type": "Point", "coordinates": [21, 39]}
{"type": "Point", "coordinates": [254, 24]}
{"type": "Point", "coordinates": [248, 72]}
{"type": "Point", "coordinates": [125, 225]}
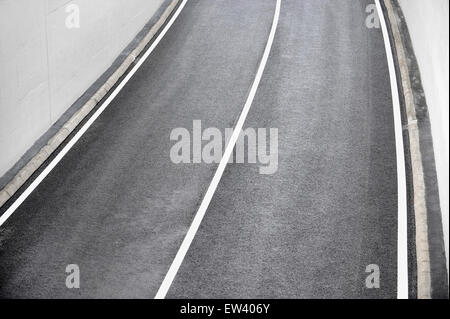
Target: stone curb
{"type": "Point", "coordinates": [25, 173]}
{"type": "Point", "coordinates": [420, 207]}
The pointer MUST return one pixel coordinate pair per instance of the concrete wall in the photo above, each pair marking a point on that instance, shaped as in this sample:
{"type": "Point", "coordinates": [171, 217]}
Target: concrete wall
{"type": "Point", "coordinates": [45, 66]}
{"type": "Point", "coordinates": [428, 24]}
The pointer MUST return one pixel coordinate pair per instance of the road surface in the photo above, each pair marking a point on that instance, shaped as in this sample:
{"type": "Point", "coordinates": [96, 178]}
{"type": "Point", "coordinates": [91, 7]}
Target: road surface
{"type": "Point", "coordinates": [119, 208]}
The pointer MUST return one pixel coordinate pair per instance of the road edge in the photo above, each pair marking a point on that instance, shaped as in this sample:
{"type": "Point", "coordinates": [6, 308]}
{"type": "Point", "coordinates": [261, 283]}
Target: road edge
{"type": "Point", "coordinates": [429, 282]}
{"type": "Point", "coordinates": [69, 126]}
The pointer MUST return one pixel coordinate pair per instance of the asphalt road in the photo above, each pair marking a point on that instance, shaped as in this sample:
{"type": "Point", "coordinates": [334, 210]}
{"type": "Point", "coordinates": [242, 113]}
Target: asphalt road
{"type": "Point", "coordinates": [118, 207]}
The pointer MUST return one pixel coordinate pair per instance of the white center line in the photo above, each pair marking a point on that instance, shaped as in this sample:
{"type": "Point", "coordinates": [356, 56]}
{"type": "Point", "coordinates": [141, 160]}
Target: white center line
{"type": "Point", "coordinates": [173, 270]}
{"type": "Point", "coordinates": [402, 239]}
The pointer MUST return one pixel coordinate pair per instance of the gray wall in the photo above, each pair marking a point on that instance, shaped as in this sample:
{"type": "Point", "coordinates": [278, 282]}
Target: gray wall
{"type": "Point", "coordinates": [428, 26]}
{"type": "Point", "coordinates": [45, 66]}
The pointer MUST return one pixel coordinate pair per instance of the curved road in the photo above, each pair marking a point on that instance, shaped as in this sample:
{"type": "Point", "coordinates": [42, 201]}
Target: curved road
{"type": "Point", "coordinates": [117, 206]}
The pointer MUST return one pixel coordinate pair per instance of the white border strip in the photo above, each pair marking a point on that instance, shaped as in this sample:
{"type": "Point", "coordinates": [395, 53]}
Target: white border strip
{"type": "Point", "coordinates": [86, 126]}
{"type": "Point", "coordinates": [402, 240]}
{"type": "Point", "coordinates": [173, 270]}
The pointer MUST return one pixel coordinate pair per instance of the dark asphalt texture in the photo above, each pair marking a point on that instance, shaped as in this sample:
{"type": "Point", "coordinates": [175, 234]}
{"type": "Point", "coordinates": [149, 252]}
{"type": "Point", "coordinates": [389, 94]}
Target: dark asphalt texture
{"type": "Point", "coordinates": [119, 208]}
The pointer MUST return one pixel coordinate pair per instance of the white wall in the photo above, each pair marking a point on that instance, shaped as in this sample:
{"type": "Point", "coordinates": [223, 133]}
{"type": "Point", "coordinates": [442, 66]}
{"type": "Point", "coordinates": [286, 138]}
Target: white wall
{"type": "Point", "coordinates": [45, 66]}
{"type": "Point", "coordinates": [428, 25]}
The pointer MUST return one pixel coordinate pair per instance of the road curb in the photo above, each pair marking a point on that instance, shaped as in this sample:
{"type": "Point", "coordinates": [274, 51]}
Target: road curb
{"type": "Point", "coordinates": [420, 209]}
{"type": "Point", "coordinates": [415, 114]}
{"type": "Point", "coordinates": [53, 143]}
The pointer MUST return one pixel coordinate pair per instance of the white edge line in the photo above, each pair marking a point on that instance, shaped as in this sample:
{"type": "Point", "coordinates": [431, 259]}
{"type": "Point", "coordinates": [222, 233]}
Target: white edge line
{"type": "Point", "coordinates": [91, 120]}
{"type": "Point", "coordinates": [178, 260]}
{"type": "Point", "coordinates": [402, 240]}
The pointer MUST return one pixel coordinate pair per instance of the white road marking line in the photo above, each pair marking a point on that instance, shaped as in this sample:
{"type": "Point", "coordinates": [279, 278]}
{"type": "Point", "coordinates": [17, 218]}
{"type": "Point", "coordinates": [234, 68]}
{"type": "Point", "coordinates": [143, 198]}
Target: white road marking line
{"type": "Point", "coordinates": [402, 239]}
{"type": "Point", "coordinates": [91, 120]}
{"type": "Point", "coordinates": [175, 266]}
